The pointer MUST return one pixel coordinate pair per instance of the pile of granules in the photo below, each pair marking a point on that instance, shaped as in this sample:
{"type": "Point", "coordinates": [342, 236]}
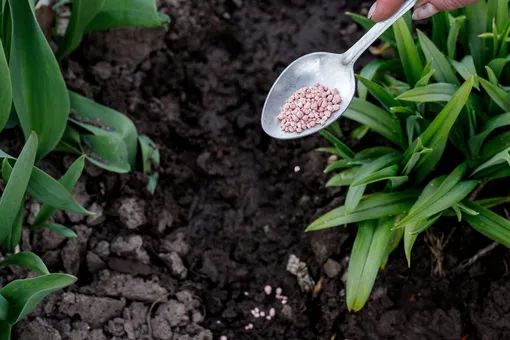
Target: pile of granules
{"type": "Point", "coordinates": [309, 106]}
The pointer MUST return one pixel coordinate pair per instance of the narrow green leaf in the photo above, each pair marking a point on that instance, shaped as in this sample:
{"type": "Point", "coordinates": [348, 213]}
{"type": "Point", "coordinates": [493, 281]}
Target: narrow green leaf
{"type": "Point", "coordinates": [6, 92]}
{"type": "Point", "coordinates": [27, 260]}
{"type": "Point", "coordinates": [137, 13]}
{"type": "Point", "coordinates": [492, 76]}
{"type": "Point", "coordinates": [41, 108]}
{"type": "Point", "coordinates": [498, 64]}
{"type": "Point", "coordinates": [453, 35]}
{"type": "Point", "coordinates": [368, 72]}
{"type": "Point", "coordinates": [444, 72]}
{"type": "Point", "coordinates": [499, 96]}
{"type": "Point", "coordinates": [360, 132]}
{"type": "Point", "coordinates": [492, 202]}
{"type": "Point", "coordinates": [436, 134]}
{"type": "Point", "coordinates": [466, 68]}
{"type": "Point", "coordinates": [499, 158]}
{"type": "Point", "coordinates": [494, 145]}
{"type": "Point", "coordinates": [83, 12]}
{"type": "Point", "coordinates": [377, 119]}
{"type": "Point", "coordinates": [489, 224]}
{"type": "Point", "coordinates": [474, 26]}
{"type": "Point", "coordinates": [408, 53]}
{"type": "Point", "coordinates": [368, 252]}
{"type": "Point", "coordinates": [440, 29]}
{"type": "Point", "coordinates": [68, 181]}
{"type": "Point", "coordinates": [46, 189]}
{"type": "Point", "coordinates": [372, 207]}
{"type": "Point", "coordinates": [439, 92]}
{"type": "Point", "coordinates": [355, 193]}
{"type": "Point", "coordinates": [24, 295]}
{"type": "Point", "coordinates": [331, 150]}
{"type": "Point", "coordinates": [367, 24]}
{"type": "Point", "coordinates": [377, 176]}
{"type": "Point", "coordinates": [14, 238]}
{"type": "Point", "coordinates": [424, 80]}
{"type": "Point", "coordinates": [59, 229]}
{"type": "Point", "coordinates": [379, 93]}
{"type": "Point", "coordinates": [343, 150]}
{"type": "Point", "coordinates": [411, 232]}
{"type": "Point", "coordinates": [476, 142]}
{"type": "Point", "coordinates": [14, 192]}
{"type": "Point", "coordinates": [343, 178]}
{"type": "Point", "coordinates": [103, 121]}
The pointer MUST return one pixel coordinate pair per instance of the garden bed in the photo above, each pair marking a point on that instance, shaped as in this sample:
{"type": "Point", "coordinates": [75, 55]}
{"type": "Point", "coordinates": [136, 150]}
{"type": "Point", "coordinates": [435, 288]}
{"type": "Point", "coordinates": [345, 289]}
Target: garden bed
{"type": "Point", "coordinates": [230, 208]}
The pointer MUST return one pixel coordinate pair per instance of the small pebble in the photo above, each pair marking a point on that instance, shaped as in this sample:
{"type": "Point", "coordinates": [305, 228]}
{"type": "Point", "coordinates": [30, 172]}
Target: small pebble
{"type": "Point", "coordinates": [268, 290]}
{"type": "Point", "coordinates": [279, 291]}
{"type": "Point", "coordinates": [268, 317]}
{"type": "Point", "coordinates": [246, 294]}
{"type": "Point", "coordinates": [262, 314]}
{"type": "Point", "coordinates": [272, 312]}
{"type": "Point", "coordinates": [296, 169]}
{"type": "Point", "coordinates": [223, 337]}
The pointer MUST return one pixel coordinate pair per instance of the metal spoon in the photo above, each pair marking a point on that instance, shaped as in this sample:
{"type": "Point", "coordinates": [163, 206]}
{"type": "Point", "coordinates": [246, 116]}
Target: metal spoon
{"type": "Point", "coordinates": [330, 69]}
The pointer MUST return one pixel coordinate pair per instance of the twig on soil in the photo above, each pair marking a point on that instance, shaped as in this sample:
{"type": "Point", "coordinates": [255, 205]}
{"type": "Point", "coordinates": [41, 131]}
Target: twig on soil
{"type": "Point", "coordinates": [477, 190]}
{"type": "Point", "coordinates": [148, 316]}
{"type": "Point", "coordinates": [482, 252]}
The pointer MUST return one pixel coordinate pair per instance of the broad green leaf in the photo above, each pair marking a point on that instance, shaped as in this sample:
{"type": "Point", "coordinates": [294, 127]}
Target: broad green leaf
{"type": "Point", "coordinates": [367, 24]}
{"type": "Point", "coordinates": [4, 309]}
{"type": "Point", "coordinates": [476, 142]}
{"type": "Point", "coordinates": [474, 26]}
{"type": "Point", "coordinates": [39, 90]}
{"type": "Point", "coordinates": [435, 136]}
{"type": "Point", "coordinates": [395, 238]}
{"type": "Point", "coordinates": [494, 145]}
{"type": "Point", "coordinates": [14, 192]}
{"type": "Point", "coordinates": [369, 72]}
{"type": "Point", "coordinates": [453, 35]}
{"type": "Point", "coordinates": [343, 150]}
{"type": "Point", "coordinates": [367, 254]}
{"type": "Point", "coordinates": [5, 331]}
{"type": "Point", "coordinates": [125, 13]}
{"type": "Point", "coordinates": [103, 121]}
{"type": "Point", "coordinates": [59, 229]}
{"type": "Point", "coordinates": [438, 92]}
{"type": "Point", "coordinates": [377, 119]}
{"type": "Point", "coordinates": [27, 260]}
{"type": "Point", "coordinates": [6, 92]}
{"type": "Point", "coordinates": [343, 178]}
{"type": "Point", "coordinates": [372, 207]}
{"type": "Point", "coordinates": [83, 12]}
{"type": "Point", "coordinates": [379, 93]}
{"type": "Point", "coordinates": [355, 193]}
{"type": "Point", "coordinates": [68, 181]}
{"type": "Point", "coordinates": [107, 152]}
{"type": "Point", "coordinates": [489, 224]}
{"type": "Point", "coordinates": [408, 53]}
{"type": "Point", "coordinates": [492, 76]}
{"type": "Point", "coordinates": [24, 295]}
{"type": "Point", "coordinates": [499, 96]}
{"type": "Point", "coordinates": [444, 72]}
{"type": "Point", "coordinates": [46, 189]}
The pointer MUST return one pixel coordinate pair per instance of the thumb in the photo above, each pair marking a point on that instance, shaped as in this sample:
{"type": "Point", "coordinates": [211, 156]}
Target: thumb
{"type": "Point", "coordinates": [383, 9]}
{"type": "Point", "coordinates": [427, 8]}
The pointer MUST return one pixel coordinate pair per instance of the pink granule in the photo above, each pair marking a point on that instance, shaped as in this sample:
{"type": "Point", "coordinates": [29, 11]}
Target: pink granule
{"type": "Point", "coordinates": [308, 107]}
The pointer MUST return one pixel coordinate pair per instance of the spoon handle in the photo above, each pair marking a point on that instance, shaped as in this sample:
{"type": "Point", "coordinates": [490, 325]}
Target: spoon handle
{"type": "Point", "coordinates": [352, 54]}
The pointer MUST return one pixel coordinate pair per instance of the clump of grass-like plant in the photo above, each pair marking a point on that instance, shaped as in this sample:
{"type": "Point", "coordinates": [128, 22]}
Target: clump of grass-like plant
{"type": "Point", "coordinates": [440, 105]}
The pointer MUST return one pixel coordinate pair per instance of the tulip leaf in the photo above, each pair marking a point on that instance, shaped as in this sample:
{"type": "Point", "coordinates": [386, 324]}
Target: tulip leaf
{"type": "Point", "coordinates": [27, 260]}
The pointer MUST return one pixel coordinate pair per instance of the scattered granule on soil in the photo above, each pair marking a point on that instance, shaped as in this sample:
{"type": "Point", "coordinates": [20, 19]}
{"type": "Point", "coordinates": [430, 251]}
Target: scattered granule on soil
{"type": "Point", "coordinates": [308, 107]}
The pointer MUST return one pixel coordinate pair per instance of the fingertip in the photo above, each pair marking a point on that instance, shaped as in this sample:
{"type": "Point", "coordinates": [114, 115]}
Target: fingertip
{"type": "Point", "coordinates": [383, 9]}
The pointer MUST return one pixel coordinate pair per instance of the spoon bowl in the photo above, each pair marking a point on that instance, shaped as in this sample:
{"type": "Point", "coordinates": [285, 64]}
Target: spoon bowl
{"type": "Point", "coordinates": [322, 67]}
{"type": "Point", "coordinates": [330, 69]}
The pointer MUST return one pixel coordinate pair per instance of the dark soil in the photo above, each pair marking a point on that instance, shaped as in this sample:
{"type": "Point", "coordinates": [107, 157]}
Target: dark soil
{"type": "Point", "coordinates": [229, 210]}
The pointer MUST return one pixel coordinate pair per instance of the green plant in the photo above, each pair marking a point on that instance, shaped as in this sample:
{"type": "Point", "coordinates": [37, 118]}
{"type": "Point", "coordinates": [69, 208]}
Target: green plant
{"type": "Point", "coordinates": [445, 116]}
{"type": "Point", "coordinates": [34, 97]}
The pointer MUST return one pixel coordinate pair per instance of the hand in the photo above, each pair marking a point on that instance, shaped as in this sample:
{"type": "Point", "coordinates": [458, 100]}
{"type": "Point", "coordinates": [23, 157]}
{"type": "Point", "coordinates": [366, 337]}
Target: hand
{"type": "Point", "coordinates": [383, 9]}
